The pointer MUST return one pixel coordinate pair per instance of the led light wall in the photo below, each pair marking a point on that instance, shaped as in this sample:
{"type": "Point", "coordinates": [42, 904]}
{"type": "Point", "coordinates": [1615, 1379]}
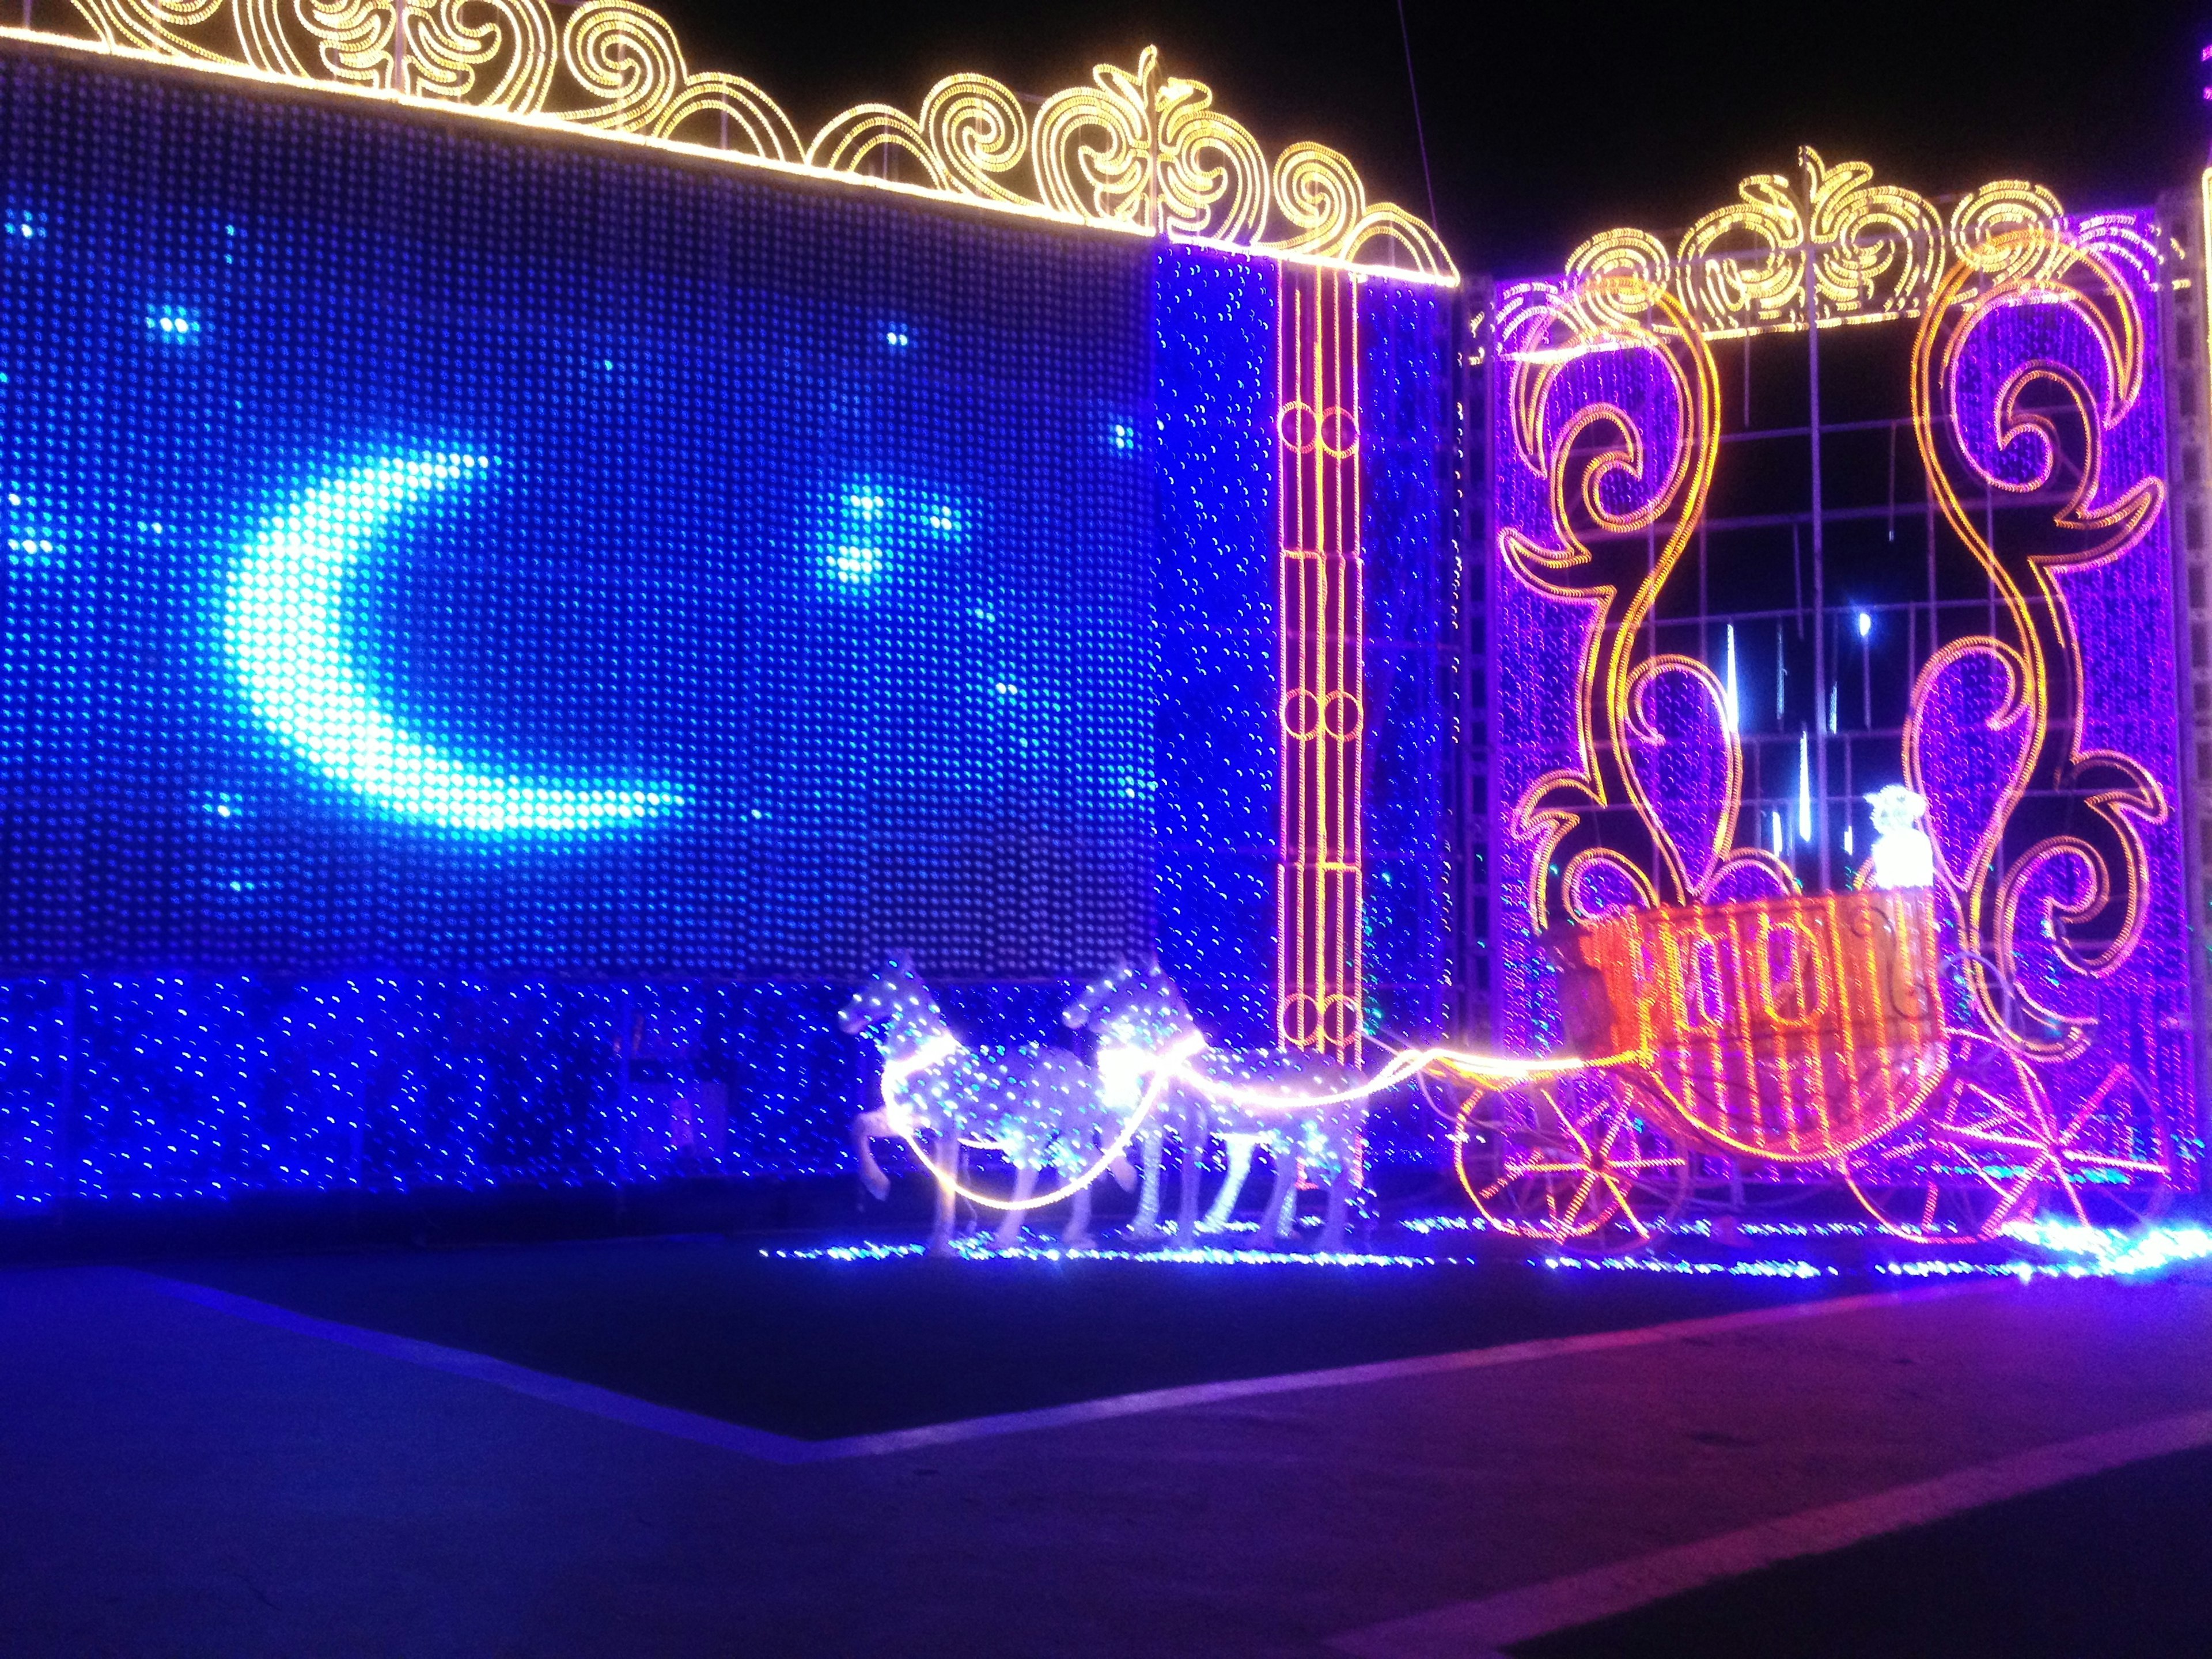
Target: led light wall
{"type": "Point", "coordinates": [499, 634]}
{"type": "Point", "coordinates": [2186, 337]}
{"type": "Point", "coordinates": [1219, 749]}
{"type": "Point", "coordinates": [1234, 751]}
{"type": "Point", "coordinates": [443, 554]}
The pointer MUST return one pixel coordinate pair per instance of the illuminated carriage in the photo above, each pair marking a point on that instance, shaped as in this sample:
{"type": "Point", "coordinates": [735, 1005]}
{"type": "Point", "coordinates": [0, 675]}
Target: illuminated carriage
{"type": "Point", "coordinates": [1780, 1044]}
{"type": "Point", "coordinates": [1999, 1038]}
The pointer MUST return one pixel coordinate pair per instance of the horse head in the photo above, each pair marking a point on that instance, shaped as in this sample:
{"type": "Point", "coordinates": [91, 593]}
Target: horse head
{"type": "Point", "coordinates": [896, 999]}
{"type": "Point", "coordinates": [1094, 996]}
{"type": "Point", "coordinates": [1134, 1008]}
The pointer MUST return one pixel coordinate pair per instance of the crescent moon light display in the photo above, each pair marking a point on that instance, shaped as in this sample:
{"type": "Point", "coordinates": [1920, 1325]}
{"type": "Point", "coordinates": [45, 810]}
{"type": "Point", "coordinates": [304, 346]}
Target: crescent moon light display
{"type": "Point", "coordinates": [283, 628]}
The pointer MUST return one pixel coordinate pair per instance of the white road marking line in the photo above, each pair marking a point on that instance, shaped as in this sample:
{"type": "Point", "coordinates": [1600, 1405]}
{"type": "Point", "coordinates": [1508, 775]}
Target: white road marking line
{"type": "Point", "coordinates": [784, 1448]}
{"type": "Point", "coordinates": [1550, 1347]}
{"type": "Point", "coordinates": [1478, 1630]}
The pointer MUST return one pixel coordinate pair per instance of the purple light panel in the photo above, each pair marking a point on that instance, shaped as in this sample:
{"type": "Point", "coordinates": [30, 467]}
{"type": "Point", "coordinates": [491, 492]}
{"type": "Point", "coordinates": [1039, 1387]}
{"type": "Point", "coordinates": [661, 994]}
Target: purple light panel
{"type": "Point", "coordinates": [2086, 898]}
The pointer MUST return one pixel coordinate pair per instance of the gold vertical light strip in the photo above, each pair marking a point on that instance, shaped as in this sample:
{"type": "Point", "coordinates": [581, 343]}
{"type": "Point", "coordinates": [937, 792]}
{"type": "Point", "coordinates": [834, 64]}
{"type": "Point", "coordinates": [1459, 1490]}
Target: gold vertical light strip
{"type": "Point", "coordinates": [1320, 996]}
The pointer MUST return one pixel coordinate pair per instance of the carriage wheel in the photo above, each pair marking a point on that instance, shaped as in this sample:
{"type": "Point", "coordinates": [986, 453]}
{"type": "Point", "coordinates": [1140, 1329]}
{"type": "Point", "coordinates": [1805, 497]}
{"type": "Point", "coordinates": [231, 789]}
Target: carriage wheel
{"type": "Point", "coordinates": [1992, 1152]}
{"type": "Point", "coordinates": [1578, 1158]}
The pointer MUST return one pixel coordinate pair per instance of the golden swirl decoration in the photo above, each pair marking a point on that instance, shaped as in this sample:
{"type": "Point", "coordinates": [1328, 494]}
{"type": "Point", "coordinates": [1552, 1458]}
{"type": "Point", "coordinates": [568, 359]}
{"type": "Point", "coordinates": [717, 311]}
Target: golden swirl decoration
{"type": "Point", "coordinates": [1636, 254]}
{"type": "Point", "coordinates": [972, 132]}
{"type": "Point", "coordinates": [1875, 241]}
{"type": "Point", "coordinates": [1744, 264]}
{"type": "Point", "coordinates": [448, 51]}
{"type": "Point", "coordinates": [439, 48]}
{"type": "Point", "coordinates": [2061, 807]}
{"type": "Point", "coordinates": [871, 136]}
{"type": "Point", "coordinates": [1386, 221]}
{"type": "Point", "coordinates": [1319, 191]}
{"type": "Point", "coordinates": [1615, 269]}
{"type": "Point", "coordinates": [1982, 221]}
{"type": "Point", "coordinates": [979, 132]}
{"type": "Point", "coordinates": [1226, 202]}
{"type": "Point", "coordinates": [354, 39]}
{"type": "Point", "coordinates": [1094, 144]}
{"type": "Point", "coordinates": [154, 26]}
{"type": "Point", "coordinates": [1620, 517]}
{"type": "Point", "coordinates": [758, 121]}
{"type": "Point", "coordinates": [626, 56]}
{"type": "Point", "coordinates": [1137, 149]}
{"type": "Point", "coordinates": [261, 35]}
{"type": "Point", "coordinates": [444, 51]}
{"type": "Point", "coordinates": [1876, 249]}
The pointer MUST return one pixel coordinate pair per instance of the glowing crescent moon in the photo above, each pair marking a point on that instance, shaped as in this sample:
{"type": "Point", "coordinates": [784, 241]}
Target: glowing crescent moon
{"type": "Point", "coordinates": [283, 631]}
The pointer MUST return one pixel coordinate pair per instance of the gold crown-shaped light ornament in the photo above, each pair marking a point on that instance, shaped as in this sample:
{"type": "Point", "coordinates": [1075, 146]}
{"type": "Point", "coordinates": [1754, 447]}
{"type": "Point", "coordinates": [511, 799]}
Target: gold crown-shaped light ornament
{"type": "Point", "coordinates": [1139, 150]}
{"type": "Point", "coordinates": [1877, 250]}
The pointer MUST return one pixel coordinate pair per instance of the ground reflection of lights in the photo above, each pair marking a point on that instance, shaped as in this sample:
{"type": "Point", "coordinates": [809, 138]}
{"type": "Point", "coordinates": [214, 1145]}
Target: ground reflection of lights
{"type": "Point", "coordinates": [981, 1249]}
{"type": "Point", "coordinates": [1696, 1227]}
{"type": "Point", "coordinates": [1675, 1265]}
{"type": "Point", "coordinates": [2080, 1253]}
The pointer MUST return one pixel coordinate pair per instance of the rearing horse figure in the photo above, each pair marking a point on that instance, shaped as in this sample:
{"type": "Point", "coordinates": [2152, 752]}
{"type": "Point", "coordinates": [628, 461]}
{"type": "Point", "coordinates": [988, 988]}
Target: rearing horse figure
{"type": "Point", "coordinates": [1306, 1108]}
{"type": "Point", "coordinates": [1036, 1104]}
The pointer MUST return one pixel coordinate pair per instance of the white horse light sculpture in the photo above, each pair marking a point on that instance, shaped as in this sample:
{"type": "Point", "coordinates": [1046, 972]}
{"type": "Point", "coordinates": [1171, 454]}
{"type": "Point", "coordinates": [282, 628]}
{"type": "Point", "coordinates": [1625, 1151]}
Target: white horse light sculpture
{"type": "Point", "coordinates": [1304, 1108]}
{"type": "Point", "coordinates": [1039, 1106]}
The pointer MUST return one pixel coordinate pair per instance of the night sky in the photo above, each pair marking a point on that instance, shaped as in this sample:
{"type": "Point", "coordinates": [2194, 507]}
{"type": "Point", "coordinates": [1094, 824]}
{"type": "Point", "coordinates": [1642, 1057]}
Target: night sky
{"type": "Point", "coordinates": [1547, 121]}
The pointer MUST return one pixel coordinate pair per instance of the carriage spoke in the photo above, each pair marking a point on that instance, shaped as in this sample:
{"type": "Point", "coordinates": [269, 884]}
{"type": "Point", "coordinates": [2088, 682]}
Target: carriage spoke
{"type": "Point", "coordinates": [1989, 1138]}
{"type": "Point", "coordinates": [1627, 1209]}
{"type": "Point", "coordinates": [1995, 1153]}
{"type": "Point", "coordinates": [1582, 1193]}
{"type": "Point", "coordinates": [1569, 1158]}
{"type": "Point", "coordinates": [2069, 1186]}
{"type": "Point", "coordinates": [1575, 1134]}
{"type": "Point", "coordinates": [2021, 1191]}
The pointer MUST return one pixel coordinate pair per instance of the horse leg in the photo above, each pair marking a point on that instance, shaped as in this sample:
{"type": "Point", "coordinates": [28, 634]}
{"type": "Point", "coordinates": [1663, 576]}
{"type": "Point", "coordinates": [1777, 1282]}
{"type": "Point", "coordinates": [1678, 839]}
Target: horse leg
{"type": "Point", "coordinates": [1194, 1139]}
{"type": "Point", "coordinates": [1232, 1186]}
{"type": "Point", "coordinates": [1282, 1200]}
{"type": "Point", "coordinates": [866, 1126]}
{"type": "Point", "coordinates": [1010, 1224]}
{"type": "Point", "coordinates": [948, 1160]}
{"type": "Point", "coordinates": [1340, 1197]}
{"type": "Point", "coordinates": [1124, 1173]}
{"type": "Point", "coordinates": [1145, 1227]}
{"type": "Point", "coordinates": [1076, 1235]}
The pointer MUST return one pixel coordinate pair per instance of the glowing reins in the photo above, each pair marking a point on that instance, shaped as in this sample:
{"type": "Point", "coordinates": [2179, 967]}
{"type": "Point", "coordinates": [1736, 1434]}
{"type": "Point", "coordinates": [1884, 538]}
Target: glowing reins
{"type": "Point", "coordinates": [1171, 1069]}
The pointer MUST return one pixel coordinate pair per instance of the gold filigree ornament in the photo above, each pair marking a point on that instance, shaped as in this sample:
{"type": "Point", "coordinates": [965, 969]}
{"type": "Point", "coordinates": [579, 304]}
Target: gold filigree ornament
{"type": "Point", "coordinates": [1138, 151]}
{"type": "Point", "coordinates": [1876, 249]}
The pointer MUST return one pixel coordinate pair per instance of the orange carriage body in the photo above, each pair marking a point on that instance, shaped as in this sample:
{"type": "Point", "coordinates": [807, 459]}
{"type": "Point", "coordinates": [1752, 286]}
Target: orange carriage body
{"type": "Point", "coordinates": [1789, 1029]}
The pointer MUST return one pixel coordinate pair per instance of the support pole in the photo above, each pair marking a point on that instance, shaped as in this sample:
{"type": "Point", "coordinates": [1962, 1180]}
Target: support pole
{"type": "Point", "coordinates": [1821, 735]}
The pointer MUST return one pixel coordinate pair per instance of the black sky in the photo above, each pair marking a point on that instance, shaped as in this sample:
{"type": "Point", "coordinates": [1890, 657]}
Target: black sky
{"type": "Point", "coordinates": [1549, 121]}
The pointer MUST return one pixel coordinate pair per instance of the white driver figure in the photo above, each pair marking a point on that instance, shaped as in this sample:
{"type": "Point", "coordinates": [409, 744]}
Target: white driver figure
{"type": "Point", "coordinates": [1903, 854]}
